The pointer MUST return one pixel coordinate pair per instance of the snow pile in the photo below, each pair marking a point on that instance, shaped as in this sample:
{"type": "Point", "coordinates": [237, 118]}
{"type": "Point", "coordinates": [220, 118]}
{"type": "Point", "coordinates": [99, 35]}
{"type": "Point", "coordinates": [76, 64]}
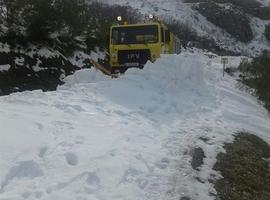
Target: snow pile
{"type": "Point", "coordinates": [85, 76]}
{"type": "Point", "coordinates": [160, 90]}
{"type": "Point", "coordinates": [129, 138]}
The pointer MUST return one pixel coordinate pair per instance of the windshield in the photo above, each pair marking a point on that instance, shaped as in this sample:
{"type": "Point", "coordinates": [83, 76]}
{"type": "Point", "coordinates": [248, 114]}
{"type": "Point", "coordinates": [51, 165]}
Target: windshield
{"type": "Point", "coordinates": [135, 34]}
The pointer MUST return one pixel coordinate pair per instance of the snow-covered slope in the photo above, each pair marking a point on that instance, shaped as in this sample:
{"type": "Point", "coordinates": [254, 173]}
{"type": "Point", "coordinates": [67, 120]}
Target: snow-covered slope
{"type": "Point", "coordinates": [183, 12]}
{"type": "Point", "coordinates": [265, 2]}
{"type": "Point", "coordinates": [98, 138]}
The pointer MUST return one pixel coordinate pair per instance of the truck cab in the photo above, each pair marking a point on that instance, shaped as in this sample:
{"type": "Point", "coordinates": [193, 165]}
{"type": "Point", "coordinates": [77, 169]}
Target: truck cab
{"type": "Point", "coordinates": [132, 45]}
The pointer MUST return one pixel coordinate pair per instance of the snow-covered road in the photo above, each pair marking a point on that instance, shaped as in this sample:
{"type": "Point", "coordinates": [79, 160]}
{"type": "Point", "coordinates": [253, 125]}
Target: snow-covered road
{"type": "Point", "coordinates": [131, 138]}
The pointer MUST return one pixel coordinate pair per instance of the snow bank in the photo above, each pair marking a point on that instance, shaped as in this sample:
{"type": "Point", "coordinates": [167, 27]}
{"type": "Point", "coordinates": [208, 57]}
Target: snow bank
{"type": "Point", "coordinates": [172, 83]}
{"type": "Point", "coordinates": [85, 76]}
{"type": "Point", "coordinates": [128, 138]}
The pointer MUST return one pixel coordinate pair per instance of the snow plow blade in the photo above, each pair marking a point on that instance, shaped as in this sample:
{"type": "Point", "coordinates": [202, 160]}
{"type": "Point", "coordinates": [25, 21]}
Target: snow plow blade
{"type": "Point", "coordinates": [103, 69]}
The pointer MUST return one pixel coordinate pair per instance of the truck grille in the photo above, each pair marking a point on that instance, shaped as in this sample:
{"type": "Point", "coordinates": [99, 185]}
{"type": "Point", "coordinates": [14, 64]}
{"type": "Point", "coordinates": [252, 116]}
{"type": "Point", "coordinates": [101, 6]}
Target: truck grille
{"type": "Point", "coordinates": [134, 56]}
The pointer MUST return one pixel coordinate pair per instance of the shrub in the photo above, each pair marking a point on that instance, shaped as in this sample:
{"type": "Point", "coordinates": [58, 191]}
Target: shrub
{"type": "Point", "coordinates": [41, 20]}
{"type": "Point", "coordinates": [234, 21]}
{"type": "Point", "coordinates": [190, 38]}
{"type": "Point", "coordinates": [59, 23]}
{"type": "Point", "coordinates": [14, 36]}
{"type": "Point", "coordinates": [260, 12]}
{"type": "Point", "coordinates": [182, 30]}
{"type": "Point", "coordinates": [245, 172]}
{"type": "Point", "coordinates": [251, 7]}
{"type": "Point", "coordinates": [267, 32]}
{"type": "Point", "coordinates": [257, 75]}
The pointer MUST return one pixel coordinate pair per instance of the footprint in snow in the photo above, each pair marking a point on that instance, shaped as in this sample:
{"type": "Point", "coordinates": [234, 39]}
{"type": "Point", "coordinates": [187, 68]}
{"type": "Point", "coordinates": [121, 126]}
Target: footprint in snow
{"type": "Point", "coordinates": [43, 151]}
{"type": "Point", "coordinates": [142, 183]}
{"type": "Point", "coordinates": [79, 140]}
{"type": "Point", "coordinates": [25, 169]}
{"type": "Point", "coordinates": [163, 163]}
{"type": "Point", "coordinates": [35, 195]}
{"type": "Point", "coordinates": [71, 159]}
{"type": "Point", "coordinates": [90, 180]}
{"type": "Point", "coordinates": [68, 108]}
{"type": "Point", "coordinates": [132, 174]}
{"type": "Point", "coordinates": [39, 126]}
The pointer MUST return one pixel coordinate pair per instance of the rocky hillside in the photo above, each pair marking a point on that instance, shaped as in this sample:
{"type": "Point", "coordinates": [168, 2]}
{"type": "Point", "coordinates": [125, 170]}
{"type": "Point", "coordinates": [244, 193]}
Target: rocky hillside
{"type": "Point", "coordinates": [238, 26]}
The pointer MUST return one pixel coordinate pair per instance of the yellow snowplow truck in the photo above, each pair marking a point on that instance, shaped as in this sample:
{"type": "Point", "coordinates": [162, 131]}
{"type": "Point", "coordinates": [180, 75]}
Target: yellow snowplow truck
{"type": "Point", "coordinates": [132, 45]}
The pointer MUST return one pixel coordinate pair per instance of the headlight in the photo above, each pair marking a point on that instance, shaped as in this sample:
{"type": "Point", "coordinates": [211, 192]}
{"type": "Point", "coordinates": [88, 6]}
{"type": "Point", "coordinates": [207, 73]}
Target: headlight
{"type": "Point", "coordinates": [119, 18]}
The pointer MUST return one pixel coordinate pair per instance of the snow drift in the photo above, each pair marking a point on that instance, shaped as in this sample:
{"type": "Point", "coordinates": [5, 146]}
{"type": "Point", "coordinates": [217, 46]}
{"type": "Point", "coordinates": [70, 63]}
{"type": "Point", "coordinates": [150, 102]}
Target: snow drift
{"type": "Point", "coordinates": [129, 138]}
{"type": "Point", "coordinates": [172, 85]}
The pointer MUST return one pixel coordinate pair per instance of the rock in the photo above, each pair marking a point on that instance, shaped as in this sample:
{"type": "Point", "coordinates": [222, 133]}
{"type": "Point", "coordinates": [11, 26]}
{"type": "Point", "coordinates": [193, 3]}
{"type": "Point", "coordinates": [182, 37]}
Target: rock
{"type": "Point", "coordinates": [197, 158]}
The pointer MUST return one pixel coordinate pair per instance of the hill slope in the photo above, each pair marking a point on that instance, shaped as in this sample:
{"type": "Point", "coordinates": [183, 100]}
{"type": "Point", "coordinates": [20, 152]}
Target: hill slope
{"type": "Point", "coordinates": [185, 11]}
